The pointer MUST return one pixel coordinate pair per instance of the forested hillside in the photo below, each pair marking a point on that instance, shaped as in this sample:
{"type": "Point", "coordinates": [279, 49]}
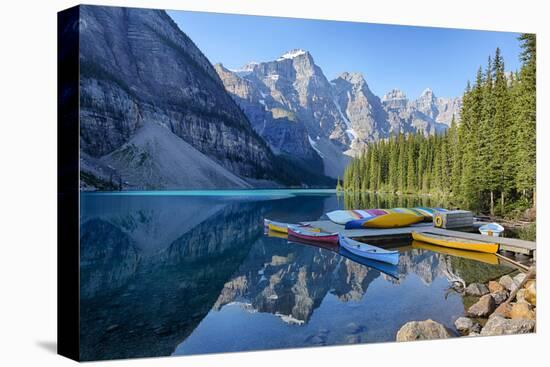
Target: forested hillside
{"type": "Point", "coordinates": [486, 162]}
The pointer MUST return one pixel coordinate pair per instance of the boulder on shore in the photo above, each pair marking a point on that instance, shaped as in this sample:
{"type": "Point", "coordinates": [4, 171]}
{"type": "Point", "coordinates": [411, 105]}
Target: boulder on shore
{"type": "Point", "coordinates": [522, 310]}
{"type": "Point", "coordinates": [482, 308]}
{"type": "Point", "coordinates": [519, 278]}
{"type": "Point", "coordinates": [520, 295]}
{"type": "Point", "coordinates": [498, 325]}
{"type": "Point", "coordinates": [495, 287]}
{"type": "Point", "coordinates": [477, 289]}
{"type": "Point", "coordinates": [499, 297]}
{"type": "Point", "coordinates": [422, 330]}
{"type": "Point", "coordinates": [502, 310]}
{"type": "Point", "coordinates": [464, 324]}
{"type": "Point", "coordinates": [507, 282]}
{"type": "Point", "coordinates": [531, 292]}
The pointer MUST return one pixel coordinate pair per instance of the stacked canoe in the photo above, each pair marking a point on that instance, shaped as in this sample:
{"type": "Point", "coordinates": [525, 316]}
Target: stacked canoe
{"type": "Point", "coordinates": [382, 218]}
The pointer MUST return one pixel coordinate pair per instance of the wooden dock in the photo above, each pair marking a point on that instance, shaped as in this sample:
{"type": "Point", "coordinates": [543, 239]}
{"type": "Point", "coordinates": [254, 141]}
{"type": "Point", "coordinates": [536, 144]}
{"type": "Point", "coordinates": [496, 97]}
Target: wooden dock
{"type": "Point", "coordinates": [389, 234]}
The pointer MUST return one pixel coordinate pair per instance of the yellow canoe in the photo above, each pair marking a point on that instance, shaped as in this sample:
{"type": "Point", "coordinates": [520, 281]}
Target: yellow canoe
{"type": "Point", "coordinates": [457, 243]}
{"type": "Point", "coordinates": [283, 227]}
{"type": "Point", "coordinates": [277, 227]}
{"type": "Point", "coordinates": [393, 219]}
{"type": "Point", "coordinates": [483, 257]}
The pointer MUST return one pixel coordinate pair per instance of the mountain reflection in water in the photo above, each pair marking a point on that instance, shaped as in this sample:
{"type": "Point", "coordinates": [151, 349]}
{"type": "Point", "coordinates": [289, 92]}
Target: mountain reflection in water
{"type": "Point", "coordinates": [164, 275]}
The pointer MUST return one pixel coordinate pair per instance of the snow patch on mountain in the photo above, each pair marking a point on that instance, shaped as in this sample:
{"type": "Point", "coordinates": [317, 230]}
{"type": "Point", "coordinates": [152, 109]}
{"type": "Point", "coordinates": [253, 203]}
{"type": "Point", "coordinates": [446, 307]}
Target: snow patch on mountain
{"type": "Point", "coordinates": [292, 54]}
{"type": "Point", "coordinates": [352, 135]}
{"type": "Point", "coordinates": [313, 144]}
{"type": "Point", "coordinates": [262, 102]}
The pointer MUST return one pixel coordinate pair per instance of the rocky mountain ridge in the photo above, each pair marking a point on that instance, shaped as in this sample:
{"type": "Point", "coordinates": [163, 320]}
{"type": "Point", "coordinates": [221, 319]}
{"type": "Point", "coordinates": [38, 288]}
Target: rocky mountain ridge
{"type": "Point", "coordinates": [339, 117]}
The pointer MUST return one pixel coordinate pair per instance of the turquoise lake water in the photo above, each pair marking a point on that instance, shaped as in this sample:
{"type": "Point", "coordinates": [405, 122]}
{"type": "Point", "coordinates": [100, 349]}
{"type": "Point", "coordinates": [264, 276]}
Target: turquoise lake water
{"type": "Point", "coordinates": [188, 272]}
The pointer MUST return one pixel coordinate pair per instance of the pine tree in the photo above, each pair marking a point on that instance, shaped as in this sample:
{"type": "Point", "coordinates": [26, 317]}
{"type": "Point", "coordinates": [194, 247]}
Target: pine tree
{"type": "Point", "coordinates": [525, 117]}
{"type": "Point", "coordinates": [373, 171]}
{"type": "Point", "coordinates": [421, 162]}
{"type": "Point", "coordinates": [456, 157]}
{"type": "Point", "coordinates": [402, 163]}
{"type": "Point", "coordinates": [469, 136]}
{"type": "Point", "coordinates": [437, 165]}
{"type": "Point", "coordinates": [487, 179]}
{"type": "Point", "coordinates": [445, 165]}
{"type": "Point", "coordinates": [393, 166]}
{"type": "Point", "coordinates": [411, 173]}
{"type": "Point", "coordinates": [502, 140]}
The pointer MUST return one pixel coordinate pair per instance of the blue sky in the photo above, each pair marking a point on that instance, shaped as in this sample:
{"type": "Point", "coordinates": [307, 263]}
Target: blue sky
{"type": "Point", "coordinates": [389, 56]}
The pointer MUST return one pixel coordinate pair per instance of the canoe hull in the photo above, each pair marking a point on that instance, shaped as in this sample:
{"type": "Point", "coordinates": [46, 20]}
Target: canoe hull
{"type": "Point", "coordinates": [331, 238]}
{"type": "Point", "coordinates": [483, 257]}
{"type": "Point", "coordinates": [375, 253]}
{"type": "Point", "coordinates": [283, 227]}
{"type": "Point", "coordinates": [392, 219]}
{"type": "Point", "coordinates": [490, 233]}
{"type": "Point", "coordinates": [344, 216]}
{"type": "Point", "coordinates": [277, 228]}
{"type": "Point", "coordinates": [456, 243]}
{"type": "Point", "coordinates": [491, 229]}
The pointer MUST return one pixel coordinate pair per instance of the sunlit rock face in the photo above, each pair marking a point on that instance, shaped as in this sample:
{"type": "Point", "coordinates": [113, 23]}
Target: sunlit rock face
{"type": "Point", "coordinates": [296, 82]}
{"type": "Point", "coordinates": [291, 104]}
{"type": "Point", "coordinates": [365, 114]}
{"type": "Point", "coordinates": [338, 117]}
{"type": "Point", "coordinates": [439, 109]}
{"type": "Point", "coordinates": [427, 114]}
{"type": "Point", "coordinates": [275, 123]}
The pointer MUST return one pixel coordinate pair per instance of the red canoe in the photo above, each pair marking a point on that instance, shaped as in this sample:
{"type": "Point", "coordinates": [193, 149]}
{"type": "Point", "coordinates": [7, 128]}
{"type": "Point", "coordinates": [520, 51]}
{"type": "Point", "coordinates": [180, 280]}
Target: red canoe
{"type": "Point", "coordinates": [309, 235]}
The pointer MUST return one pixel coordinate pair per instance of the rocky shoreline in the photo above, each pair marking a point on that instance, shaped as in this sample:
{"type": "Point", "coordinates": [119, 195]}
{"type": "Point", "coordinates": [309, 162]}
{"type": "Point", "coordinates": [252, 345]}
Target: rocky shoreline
{"type": "Point", "coordinates": [499, 307]}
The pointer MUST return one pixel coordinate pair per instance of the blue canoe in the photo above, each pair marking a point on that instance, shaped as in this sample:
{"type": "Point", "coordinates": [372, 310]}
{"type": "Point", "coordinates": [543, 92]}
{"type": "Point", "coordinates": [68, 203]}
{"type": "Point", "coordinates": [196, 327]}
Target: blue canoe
{"type": "Point", "coordinates": [369, 251]}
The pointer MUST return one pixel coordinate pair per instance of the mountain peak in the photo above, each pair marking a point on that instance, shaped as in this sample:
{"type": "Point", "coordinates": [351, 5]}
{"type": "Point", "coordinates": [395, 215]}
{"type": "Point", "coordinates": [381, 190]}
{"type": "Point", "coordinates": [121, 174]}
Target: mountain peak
{"type": "Point", "coordinates": [394, 94]}
{"type": "Point", "coordinates": [352, 77]}
{"type": "Point", "coordinates": [427, 93]}
{"type": "Point", "coordinates": [249, 66]}
{"type": "Point", "coordinates": [292, 54]}
{"type": "Point", "coordinates": [245, 69]}
{"type": "Point", "coordinates": [219, 66]}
